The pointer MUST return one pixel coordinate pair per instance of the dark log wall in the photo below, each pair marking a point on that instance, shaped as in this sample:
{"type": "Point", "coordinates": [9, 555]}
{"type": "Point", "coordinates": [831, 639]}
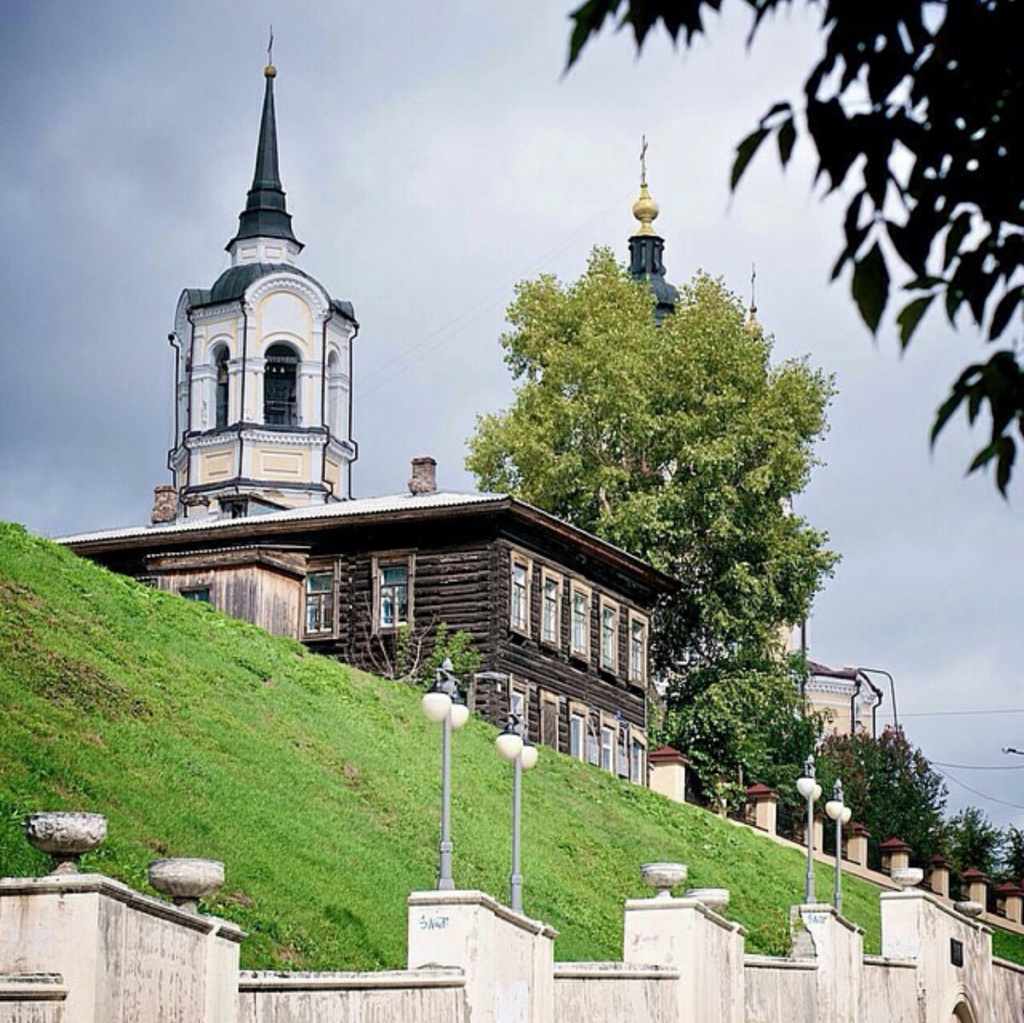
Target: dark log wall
{"type": "Point", "coordinates": [461, 575]}
{"type": "Point", "coordinates": [465, 582]}
{"type": "Point", "coordinates": [552, 669]}
{"type": "Point", "coordinates": [448, 585]}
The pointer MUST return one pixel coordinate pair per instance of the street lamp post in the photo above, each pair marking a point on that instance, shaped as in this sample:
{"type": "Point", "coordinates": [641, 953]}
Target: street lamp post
{"type": "Point", "coordinates": [514, 747]}
{"type": "Point", "coordinates": [442, 703]}
{"type": "Point", "coordinates": [809, 788]}
{"type": "Point", "coordinates": [840, 813]}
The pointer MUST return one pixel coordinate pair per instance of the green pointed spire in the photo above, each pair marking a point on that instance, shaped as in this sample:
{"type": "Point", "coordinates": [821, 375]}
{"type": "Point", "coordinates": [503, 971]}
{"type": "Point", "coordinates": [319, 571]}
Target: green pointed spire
{"type": "Point", "coordinates": [266, 214]}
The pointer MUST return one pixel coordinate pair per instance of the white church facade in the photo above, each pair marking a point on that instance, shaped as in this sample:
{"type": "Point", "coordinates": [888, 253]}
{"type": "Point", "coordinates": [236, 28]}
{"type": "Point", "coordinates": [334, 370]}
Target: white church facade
{"type": "Point", "coordinates": [263, 370]}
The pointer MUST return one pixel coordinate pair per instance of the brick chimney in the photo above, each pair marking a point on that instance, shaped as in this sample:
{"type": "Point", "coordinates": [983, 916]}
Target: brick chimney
{"type": "Point", "coordinates": [424, 476]}
{"type": "Point", "coordinates": [165, 504]}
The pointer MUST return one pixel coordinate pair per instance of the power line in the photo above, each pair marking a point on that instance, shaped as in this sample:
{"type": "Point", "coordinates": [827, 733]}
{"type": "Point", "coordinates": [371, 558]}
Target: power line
{"type": "Point", "coordinates": [979, 767]}
{"type": "Point", "coordinates": [982, 795]}
{"type": "Point", "coordinates": [404, 360]}
{"type": "Point", "coordinates": [960, 713]}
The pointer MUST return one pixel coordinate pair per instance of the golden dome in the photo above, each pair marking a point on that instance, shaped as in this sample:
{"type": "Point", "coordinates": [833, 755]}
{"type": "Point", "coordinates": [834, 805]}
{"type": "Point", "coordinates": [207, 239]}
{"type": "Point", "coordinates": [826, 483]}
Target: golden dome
{"type": "Point", "coordinates": [645, 209]}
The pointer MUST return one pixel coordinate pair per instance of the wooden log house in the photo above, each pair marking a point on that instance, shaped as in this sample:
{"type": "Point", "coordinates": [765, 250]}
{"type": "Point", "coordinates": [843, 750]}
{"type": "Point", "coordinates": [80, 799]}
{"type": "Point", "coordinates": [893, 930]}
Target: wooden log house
{"type": "Point", "coordinates": [561, 618]}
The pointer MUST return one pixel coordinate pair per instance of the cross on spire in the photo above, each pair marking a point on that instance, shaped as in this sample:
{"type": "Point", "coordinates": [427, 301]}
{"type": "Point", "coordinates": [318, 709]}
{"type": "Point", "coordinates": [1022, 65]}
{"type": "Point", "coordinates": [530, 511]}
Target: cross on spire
{"type": "Point", "coordinates": [643, 159]}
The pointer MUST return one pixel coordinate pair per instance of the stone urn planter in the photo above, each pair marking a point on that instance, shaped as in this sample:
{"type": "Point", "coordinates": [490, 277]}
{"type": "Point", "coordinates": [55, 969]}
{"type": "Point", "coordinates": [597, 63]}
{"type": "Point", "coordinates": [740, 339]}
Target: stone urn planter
{"type": "Point", "coordinates": [968, 907]}
{"type": "Point", "coordinates": [65, 835]}
{"type": "Point", "coordinates": [663, 877]}
{"type": "Point", "coordinates": [186, 881]}
{"type": "Point", "coordinates": [906, 877]}
{"type": "Point", "coordinates": [716, 899]}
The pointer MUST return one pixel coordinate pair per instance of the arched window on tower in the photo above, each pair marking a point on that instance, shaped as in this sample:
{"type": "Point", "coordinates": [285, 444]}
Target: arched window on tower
{"type": "Point", "coordinates": [280, 379]}
{"type": "Point", "coordinates": [221, 394]}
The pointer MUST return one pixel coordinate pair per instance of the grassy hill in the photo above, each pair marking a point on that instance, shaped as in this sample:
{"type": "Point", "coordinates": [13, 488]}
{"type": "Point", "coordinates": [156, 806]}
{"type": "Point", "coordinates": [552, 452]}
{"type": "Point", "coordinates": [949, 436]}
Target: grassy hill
{"type": "Point", "coordinates": [318, 785]}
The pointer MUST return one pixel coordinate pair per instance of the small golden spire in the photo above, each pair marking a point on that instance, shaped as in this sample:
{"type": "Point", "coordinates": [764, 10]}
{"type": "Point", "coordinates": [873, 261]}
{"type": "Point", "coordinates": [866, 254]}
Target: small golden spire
{"type": "Point", "coordinates": [751, 321]}
{"type": "Point", "coordinates": [270, 71]}
{"type": "Point", "coordinates": [645, 209]}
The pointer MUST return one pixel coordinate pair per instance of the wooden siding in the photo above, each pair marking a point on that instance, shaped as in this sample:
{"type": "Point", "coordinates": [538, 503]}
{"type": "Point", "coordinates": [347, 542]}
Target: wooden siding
{"type": "Point", "coordinates": [253, 593]}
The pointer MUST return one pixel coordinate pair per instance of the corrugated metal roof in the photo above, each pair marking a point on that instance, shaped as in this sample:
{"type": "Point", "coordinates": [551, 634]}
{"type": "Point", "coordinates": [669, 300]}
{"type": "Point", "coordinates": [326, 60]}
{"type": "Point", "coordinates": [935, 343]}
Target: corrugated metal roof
{"type": "Point", "coordinates": [337, 509]}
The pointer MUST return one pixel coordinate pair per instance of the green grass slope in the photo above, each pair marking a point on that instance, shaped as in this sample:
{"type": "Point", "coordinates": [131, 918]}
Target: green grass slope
{"type": "Point", "coordinates": [318, 785]}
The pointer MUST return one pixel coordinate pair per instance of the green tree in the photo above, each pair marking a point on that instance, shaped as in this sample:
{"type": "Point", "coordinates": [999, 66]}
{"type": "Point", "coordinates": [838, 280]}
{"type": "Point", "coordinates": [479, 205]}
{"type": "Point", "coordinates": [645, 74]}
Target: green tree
{"type": "Point", "coordinates": [1013, 854]}
{"type": "Point", "coordinates": [680, 443]}
{"type": "Point", "coordinates": [914, 108]}
{"type": "Point", "coordinates": [972, 840]}
{"type": "Point", "coordinates": [889, 785]}
{"type": "Point", "coordinates": [741, 721]}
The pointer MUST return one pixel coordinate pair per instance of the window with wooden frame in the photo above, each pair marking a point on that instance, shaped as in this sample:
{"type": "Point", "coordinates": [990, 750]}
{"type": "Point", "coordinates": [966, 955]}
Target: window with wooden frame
{"type": "Point", "coordinates": [319, 620]}
{"type": "Point", "coordinates": [550, 607]}
{"type": "Point", "coordinates": [579, 620]}
{"type": "Point", "coordinates": [393, 577]}
{"type": "Point", "coordinates": [609, 635]}
{"type": "Point", "coordinates": [549, 719]}
{"type": "Point", "coordinates": [578, 716]}
{"type": "Point", "coordinates": [521, 570]}
{"type": "Point", "coordinates": [637, 648]}
{"type": "Point", "coordinates": [197, 594]}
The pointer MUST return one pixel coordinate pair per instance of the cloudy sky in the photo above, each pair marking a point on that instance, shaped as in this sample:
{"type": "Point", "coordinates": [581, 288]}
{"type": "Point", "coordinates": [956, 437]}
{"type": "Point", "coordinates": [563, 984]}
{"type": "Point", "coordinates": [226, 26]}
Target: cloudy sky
{"type": "Point", "coordinates": [434, 154]}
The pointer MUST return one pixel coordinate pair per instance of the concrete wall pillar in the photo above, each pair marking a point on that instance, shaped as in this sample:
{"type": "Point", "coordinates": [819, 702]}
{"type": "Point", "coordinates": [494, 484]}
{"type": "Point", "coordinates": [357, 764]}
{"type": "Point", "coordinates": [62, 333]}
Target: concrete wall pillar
{"type": "Point", "coordinates": [837, 946]}
{"type": "Point", "coordinates": [819, 832]}
{"type": "Point", "coordinates": [764, 803]}
{"type": "Point", "coordinates": [938, 877]}
{"type": "Point", "coordinates": [705, 948]}
{"type": "Point", "coordinates": [508, 959]}
{"type": "Point", "coordinates": [895, 854]}
{"type": "Point", "coordinates": [857, 844]}
{"type": "Point", "coordinates": [1008, 900]}
{"type": "Point", "coordinates": [667, 773]}
{"type": "Point", "coordinates": [975, 887]}
{"type": "Point", "coordinates": [120, 955]}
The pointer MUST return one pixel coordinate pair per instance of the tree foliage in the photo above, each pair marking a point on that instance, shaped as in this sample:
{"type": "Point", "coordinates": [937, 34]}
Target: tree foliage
{"type": "Point", "coordinates": [970, 839]}
{"type": "Point", "coordinates": [741, 720]}
{"type": "Point", "coordinates": [890, 786]}
{"type": "Point", "coordinates": [680, 443]}
{"type": "Point", "coordinates": [915, 107]}
{"type": "Point", "coordinates": [1013, 854]}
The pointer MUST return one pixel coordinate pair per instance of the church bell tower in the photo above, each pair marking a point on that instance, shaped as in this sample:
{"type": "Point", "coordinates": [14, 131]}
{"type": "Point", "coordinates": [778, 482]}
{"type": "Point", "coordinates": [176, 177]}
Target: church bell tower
{"type": "Point", "coordinates": [647, 247]}
{"type": "Point", "coordinates": [263, 370]}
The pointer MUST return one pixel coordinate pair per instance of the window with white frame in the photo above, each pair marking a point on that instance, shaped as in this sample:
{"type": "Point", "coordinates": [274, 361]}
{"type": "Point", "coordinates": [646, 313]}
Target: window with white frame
{"type": "Point", "coordinates": [319, 603]}
{"type": "Point", "coordinates": [577, 735]}
{"type": "Point", "coordinates": [519, 610]}
{"type": "Point", "coordinates": [607, 748]}
{"type": "Point", "coordinates": [517, 706]}
{"type": "Point", "coordinates": [392, 592]}
{"type": "Point", "coordinates": [609, 635]}
{"type": "Point", "coordinates": [593, 747]}
{"type": "Point", "coordinates": [637, 648]}
{"type": "Point", "coordinates": [579, 639]}
{"type": "Point", "coordinates": [636, 761]}
{"type": "Point", "coordinates": [551, 606]}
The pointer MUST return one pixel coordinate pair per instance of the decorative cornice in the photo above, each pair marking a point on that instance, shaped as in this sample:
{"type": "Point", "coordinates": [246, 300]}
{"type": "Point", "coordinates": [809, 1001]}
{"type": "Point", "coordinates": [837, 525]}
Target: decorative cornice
{"type": "Point", "coordinates": [317, 298]}
{"type": "Point", "coordinates": [215, 312]}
